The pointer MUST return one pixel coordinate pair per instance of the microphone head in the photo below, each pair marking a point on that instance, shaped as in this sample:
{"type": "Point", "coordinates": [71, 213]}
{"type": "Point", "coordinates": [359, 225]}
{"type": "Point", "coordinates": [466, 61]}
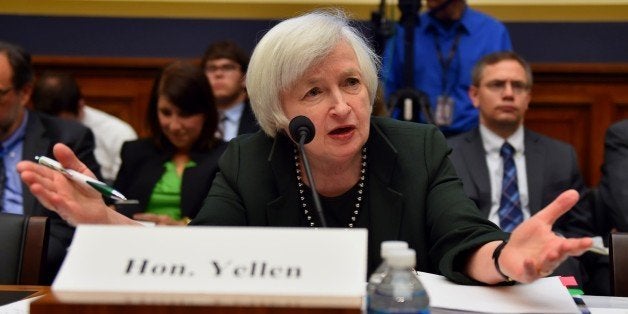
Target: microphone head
{"type": "Point", "coordinates": [302, 126]}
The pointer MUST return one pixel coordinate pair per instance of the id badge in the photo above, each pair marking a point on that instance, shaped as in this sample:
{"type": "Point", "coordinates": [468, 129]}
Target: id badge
{"type": "Point", "coordinates": [444, 110]}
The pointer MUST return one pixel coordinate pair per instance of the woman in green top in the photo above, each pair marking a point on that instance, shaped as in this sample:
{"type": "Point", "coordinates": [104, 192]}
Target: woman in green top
{"type": "Point", "coordinates": [170, 172]}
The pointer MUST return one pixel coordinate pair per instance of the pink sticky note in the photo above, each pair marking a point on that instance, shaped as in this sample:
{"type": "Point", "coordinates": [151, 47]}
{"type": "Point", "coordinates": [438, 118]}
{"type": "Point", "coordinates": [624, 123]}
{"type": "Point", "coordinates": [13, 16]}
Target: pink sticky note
{"type": "Point", "coordinates": [568, 281]}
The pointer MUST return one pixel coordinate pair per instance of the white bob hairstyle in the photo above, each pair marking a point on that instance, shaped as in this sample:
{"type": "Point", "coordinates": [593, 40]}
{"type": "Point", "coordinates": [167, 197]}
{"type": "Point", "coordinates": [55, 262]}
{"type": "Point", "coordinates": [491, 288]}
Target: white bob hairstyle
{"type": "Point", "coordinates": [290, 48]}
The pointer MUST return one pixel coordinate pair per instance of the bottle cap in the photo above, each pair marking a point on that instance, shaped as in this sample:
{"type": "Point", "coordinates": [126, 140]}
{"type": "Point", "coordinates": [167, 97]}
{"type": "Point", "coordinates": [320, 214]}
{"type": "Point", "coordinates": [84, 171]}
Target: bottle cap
{"type": "Point", "coordinates": [402, 258]}
{"type": "Point", "coordinates": [388, 246]}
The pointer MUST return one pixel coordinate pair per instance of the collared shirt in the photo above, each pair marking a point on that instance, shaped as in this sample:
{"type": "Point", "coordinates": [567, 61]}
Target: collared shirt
{"type": "Point", "coordinates": [12, 154]}
{"type": "Point", "coordinates": [109, 133]}
{"type": "Point", "coordinates": [480, 35]}
{"type": "Point", "coordinates": [230, 121]}
{"type": "Point", "coordinates": [492, 145]}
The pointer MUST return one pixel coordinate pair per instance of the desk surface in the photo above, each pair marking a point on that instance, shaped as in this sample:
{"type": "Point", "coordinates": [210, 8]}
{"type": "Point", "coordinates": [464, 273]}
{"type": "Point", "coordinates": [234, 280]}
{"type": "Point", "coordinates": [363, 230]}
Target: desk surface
{"type": "Point", "coordinates": [50, 303]}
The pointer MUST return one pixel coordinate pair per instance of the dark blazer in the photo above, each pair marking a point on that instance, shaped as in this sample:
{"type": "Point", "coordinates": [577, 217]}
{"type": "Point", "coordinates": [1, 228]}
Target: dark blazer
{"type": "Point", "coordinates": [552, 168]}
{"type": "Point", "coordinates": [143, 165]}
{"type": "Point", "coordinates": [413, 194]}
{"type": "Point", "coordinates": [42, 132]}
{"type": "Point", "coordinates": [613, 189]}
{"type": "Point", "coordinates": [248, 123]}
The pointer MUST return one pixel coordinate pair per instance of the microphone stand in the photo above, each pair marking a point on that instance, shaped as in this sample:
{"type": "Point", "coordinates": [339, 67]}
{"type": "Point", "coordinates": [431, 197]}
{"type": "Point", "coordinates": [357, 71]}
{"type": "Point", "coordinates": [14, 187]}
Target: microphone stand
{"type": "Point", "coordinates": [308, 171]}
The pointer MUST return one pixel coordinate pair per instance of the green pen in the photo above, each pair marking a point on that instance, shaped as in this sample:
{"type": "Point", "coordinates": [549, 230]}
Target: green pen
{"type": "Point", "coordinates": [76, 176]}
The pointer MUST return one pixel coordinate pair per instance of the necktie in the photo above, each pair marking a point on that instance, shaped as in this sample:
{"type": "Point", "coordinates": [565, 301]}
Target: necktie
{"type": "Point", "coordinates": [222, 119]}
{"type": "Point", "coordinates": [3, 178]}
{"type": "Point", "coordinates": [510, 214]}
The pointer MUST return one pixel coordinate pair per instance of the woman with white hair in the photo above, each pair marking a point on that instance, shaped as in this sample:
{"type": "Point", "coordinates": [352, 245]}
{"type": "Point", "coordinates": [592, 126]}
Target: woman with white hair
{"type": "Point", "coordinates": [393, 178]}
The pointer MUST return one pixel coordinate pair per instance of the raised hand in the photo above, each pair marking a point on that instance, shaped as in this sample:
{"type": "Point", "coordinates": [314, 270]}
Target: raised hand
{"type": "Point", "coordinates": [73, 202]}
{"type": "Point", "coordinates": [534, 250]}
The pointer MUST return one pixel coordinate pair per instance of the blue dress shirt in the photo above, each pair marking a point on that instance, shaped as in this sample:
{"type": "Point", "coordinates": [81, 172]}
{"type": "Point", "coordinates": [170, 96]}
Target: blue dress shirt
{"type": "Point", "coordinates": [12, 154]}
{"type": "Point", "coordinates": [479, 35]}
{"type": "Point", "coordinates": [230, 123]}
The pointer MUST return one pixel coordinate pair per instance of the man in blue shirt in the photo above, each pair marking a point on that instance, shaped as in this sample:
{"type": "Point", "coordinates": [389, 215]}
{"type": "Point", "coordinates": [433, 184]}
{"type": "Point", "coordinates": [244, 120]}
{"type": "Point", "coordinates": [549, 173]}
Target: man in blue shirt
{"type": "Point", "coordinates": [448, 40]}
{"type": "Point", "coordinates": [25, 134]}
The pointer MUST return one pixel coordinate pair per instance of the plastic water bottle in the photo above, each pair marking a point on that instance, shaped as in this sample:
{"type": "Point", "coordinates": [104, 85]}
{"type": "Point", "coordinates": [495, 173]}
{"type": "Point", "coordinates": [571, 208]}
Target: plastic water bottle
{"type": "Point", "coordinates": [381, 271]}
{"type": "Point", "coordinates": [400, 291]}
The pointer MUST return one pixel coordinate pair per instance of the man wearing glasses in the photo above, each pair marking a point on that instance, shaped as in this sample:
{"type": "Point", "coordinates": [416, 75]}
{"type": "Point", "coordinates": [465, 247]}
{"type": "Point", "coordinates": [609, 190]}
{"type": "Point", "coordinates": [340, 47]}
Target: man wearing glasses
{"type": "Point", "coordinates": [25, 134]}
{"type": "Point", "coordinates": [511, 172]}
{"type": "Point", "coordinates": [225, 65]}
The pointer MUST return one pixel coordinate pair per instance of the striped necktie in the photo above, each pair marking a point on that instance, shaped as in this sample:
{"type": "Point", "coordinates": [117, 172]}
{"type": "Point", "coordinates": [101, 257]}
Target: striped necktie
{"type": "Point", "coordinates": [510, 214]}
{"type": "Point", "coordinates": [220, 130]}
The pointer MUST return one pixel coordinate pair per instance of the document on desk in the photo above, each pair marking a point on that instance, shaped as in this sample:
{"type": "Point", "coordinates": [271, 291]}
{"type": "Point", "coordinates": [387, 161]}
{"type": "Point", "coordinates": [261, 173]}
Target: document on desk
{"type": "Point", "coordinates": [546, 295]}
{"type": "Point", "coordinates": [18, 307]}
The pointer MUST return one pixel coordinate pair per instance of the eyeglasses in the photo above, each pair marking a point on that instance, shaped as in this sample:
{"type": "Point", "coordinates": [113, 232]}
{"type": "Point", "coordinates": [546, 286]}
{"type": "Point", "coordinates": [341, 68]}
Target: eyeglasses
{"type": "Point", "coordinates": [499, 86]}
{"type": "Point", "coordinates": [225, 68]}
{"type": "Point", "coordinates": [5, 91]}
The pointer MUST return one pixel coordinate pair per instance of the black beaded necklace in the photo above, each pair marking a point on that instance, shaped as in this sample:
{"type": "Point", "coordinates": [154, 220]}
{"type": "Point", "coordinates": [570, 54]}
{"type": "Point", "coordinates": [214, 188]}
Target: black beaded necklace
{"type": "Point", "coordinates": [306, 208]}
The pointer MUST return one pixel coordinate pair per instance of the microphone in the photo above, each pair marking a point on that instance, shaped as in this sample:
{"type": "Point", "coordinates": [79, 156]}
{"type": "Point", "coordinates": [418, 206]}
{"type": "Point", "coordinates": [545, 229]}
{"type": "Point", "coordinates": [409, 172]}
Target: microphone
{"type": "Point", "coordinates": [302, 129]}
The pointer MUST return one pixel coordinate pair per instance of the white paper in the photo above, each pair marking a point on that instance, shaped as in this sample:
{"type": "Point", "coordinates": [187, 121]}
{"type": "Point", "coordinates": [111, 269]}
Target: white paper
{"type": "Point", "coordinates": [19, 307]}
{"type": "Point", "coordinates": [546, 295]}
{"type": "Point", "coordinates": [608, 311]}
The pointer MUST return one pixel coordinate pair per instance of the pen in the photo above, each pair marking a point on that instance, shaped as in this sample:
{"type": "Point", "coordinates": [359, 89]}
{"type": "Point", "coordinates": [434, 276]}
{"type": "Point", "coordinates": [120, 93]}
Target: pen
{"type": "Point", "coordinates": [76, 176]}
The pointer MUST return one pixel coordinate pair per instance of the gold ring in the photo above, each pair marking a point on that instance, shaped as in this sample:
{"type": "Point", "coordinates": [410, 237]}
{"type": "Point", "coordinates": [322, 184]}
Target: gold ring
{"type": "Point", "coordinates": [544, 273]}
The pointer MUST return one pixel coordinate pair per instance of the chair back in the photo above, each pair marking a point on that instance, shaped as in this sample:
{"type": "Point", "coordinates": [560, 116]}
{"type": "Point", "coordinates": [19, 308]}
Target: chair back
{"type": "Point", "coordinates": [23, 249]}
{"type": "Point", "coordinates": [619, 264]}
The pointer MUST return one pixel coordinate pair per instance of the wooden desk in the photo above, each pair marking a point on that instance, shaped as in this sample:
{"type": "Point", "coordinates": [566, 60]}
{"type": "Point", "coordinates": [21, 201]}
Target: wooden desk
{"type": "Point", "coordinates": [13, 293]}
{"type": "Point", "coordinates": [55, 302]}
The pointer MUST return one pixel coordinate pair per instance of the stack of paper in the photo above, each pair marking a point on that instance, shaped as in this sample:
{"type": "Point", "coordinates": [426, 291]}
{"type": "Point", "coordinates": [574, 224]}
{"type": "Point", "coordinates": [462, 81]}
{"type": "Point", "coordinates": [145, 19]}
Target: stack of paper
{"type": "Point", "coordinates": [546, 295]}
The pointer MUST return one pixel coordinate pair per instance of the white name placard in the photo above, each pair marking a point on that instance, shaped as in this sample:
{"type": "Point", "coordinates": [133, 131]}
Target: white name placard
{"type": "Point", "coordinates": [216, 260]}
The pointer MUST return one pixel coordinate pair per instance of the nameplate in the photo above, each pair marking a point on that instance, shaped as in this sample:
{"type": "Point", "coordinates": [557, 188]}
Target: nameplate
{"type": "Point", "coordinates": [224, 261]}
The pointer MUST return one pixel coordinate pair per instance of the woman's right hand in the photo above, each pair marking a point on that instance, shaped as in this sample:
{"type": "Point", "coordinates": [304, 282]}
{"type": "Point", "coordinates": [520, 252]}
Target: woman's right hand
{"type": "Point", "coordinates": [75, 203]}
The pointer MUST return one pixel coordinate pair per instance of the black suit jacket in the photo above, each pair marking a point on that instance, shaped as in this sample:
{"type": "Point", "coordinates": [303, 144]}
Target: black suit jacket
{"type": "Point", "coordinates": [42, 132]}
{"type": "Point", "coordinates": [248, 123]}
{"type": "Point", "coordinates": [552, 168]}
{"type": "Point", "coordinates": [613, 189]}
{"type": "Point", "coordinates": [413, 194]}
{"type": "Point", "coordinates": [143, 165]}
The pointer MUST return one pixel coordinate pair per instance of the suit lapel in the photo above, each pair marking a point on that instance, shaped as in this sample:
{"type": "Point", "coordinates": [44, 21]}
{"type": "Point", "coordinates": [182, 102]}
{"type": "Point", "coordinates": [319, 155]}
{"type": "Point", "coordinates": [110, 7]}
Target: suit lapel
{"type": "Point", "coordinates": [35, 144]}
{"type": "Point", "coordinates": [385, 204]}
{"type": "Point", "coordinates": [475, 158]}
{"type": "Point", "coordinates": [283, 210]}
{"type": "Point", "coordinates": [248, 123]}
{"type": "Point", "coordinates": [535, 165]}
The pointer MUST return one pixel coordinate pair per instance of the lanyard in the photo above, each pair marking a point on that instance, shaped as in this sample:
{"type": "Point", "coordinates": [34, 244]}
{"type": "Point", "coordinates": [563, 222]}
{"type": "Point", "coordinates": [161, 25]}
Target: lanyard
{"type": "Point", "coordinates": [445, 63]}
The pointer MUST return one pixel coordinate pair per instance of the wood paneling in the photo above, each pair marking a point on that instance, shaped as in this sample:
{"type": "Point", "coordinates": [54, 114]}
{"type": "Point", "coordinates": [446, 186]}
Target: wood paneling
{"type": "Point", "coordinates": [572, 102]}
{"type": "Point", "coordinates": [576, 103]}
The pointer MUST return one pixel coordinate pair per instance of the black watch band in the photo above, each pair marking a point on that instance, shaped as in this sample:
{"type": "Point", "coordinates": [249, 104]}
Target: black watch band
{"type": "Point", "coordinates": [496, 254]}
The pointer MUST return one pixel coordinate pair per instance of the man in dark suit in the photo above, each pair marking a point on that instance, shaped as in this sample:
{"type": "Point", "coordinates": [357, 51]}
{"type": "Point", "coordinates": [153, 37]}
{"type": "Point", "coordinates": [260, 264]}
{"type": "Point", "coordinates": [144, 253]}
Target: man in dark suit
{"type": "Point", "coordinates": [539, 168]}
{"type": "Point", "coordinates": [613, 189]}
{"type": "Point", "coordinates": [25, 134]}
{"type": "Point", "coordinates": [225, 65]}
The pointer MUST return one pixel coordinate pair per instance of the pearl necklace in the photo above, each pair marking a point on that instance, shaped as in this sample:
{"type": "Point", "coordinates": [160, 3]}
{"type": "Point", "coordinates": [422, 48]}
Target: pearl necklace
{"type": "Point", "coordinates": [308, 212]}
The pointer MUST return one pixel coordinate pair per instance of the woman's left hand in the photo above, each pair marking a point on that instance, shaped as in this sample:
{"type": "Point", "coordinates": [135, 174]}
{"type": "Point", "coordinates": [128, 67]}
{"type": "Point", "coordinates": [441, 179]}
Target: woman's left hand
{"type": "Point", "coordinates": [534, 250]}
{"type": "Point", "coordinates": [162, 220]}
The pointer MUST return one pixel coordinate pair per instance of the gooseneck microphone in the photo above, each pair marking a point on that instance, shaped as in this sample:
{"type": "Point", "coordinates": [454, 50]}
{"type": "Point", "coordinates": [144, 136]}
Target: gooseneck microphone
{"type": "Point", "coordinates": [302, 129]}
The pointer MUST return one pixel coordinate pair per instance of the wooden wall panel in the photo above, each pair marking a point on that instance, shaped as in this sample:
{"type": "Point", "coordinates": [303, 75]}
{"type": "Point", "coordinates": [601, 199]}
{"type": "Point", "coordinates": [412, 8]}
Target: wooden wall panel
{"type": "Point", "coordinates": [588, 98]}
{"type": "Point", "coordinates": [572, 102]}
{"type": "Point", "coordinates": [565, 121]}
